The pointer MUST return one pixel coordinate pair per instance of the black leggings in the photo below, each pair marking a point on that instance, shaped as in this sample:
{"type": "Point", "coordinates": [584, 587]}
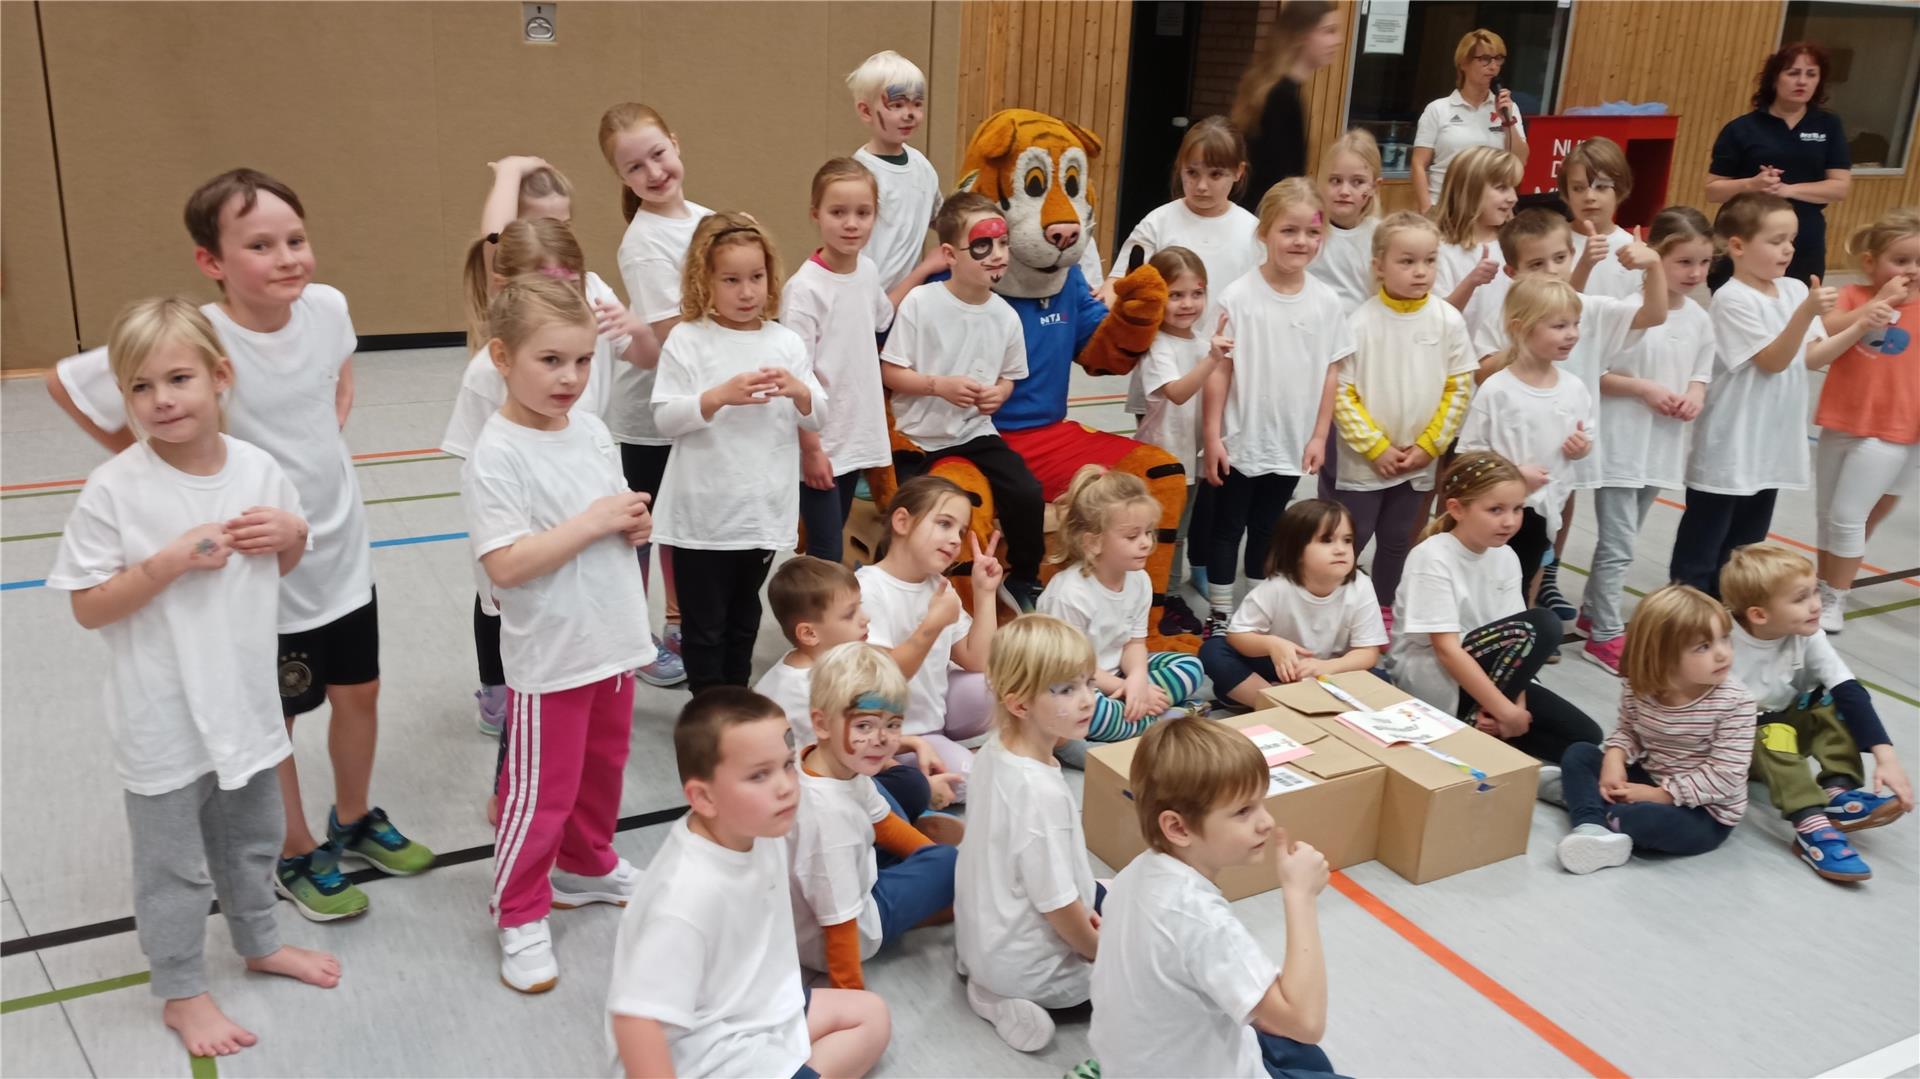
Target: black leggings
{"type": "Point", "coordinates": [824, 513]}
{"type": "Point", "coordinates": [486, 646]}
{"type": "Point", "coordinates": [719, 613]}
{"type": "Point", "coordinates": [1531, 545]}
{"type": "Point", "coordinates": [1512, 651]}
{"type": "Point", "coordinates": [1250, 506]}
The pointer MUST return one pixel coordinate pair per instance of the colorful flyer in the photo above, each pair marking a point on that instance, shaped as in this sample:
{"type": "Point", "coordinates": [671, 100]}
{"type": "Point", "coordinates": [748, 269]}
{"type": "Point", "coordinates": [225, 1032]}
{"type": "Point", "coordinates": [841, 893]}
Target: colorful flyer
{"type": "Point", "coordinates": [1411, 720]}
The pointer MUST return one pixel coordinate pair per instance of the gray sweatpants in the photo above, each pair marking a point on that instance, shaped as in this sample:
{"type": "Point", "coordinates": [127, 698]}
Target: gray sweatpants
{"type": "Point", "coordinates": [179, 839]}
{"type": "Point", "coordinates": [1621, 512]}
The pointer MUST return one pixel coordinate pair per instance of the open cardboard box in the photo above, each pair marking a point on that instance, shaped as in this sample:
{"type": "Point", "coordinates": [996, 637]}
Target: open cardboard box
{"type": "Point", "coordinates": [1339, 813]}
{"type": "Point", "coordinates": [1435, 820]}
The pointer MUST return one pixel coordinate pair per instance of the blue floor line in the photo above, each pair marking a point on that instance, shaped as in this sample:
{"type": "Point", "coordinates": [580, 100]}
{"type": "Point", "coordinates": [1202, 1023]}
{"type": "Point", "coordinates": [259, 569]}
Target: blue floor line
{"type": "Point", "coordinates": [403, 541]}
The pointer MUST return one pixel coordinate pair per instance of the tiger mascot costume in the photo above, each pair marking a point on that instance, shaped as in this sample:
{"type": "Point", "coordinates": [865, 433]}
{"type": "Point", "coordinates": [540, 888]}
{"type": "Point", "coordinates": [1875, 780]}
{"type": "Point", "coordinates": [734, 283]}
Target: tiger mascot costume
{"type": "Point", "coordinates": [1035, 167]}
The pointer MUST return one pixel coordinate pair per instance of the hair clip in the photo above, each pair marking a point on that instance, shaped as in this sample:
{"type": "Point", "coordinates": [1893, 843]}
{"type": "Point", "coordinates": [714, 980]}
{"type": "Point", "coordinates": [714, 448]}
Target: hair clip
{"type": "Point", "coordinates": [493, 237]}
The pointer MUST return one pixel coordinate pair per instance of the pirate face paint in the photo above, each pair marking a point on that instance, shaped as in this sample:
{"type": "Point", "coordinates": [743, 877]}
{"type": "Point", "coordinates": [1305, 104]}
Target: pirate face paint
{"type": "Point", "coordinates": [981, 237]}
{"type": "Point", "coordinates": [987, 251]}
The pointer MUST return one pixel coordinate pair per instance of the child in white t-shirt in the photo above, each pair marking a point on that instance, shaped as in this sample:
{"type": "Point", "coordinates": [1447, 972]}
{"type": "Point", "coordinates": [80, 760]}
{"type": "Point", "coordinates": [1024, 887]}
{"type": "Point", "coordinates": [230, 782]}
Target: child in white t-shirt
{"type": "Point", "coordinates": [291, 343]}
{"type": "Point", "coordinates": [1265, 420]}
{"type": "Point", "coordinates": [817, 604]}
{"type": "Point", "coordinates": [1649, 392]}
{"type": "Point", "coordinates": [1026, 909]}
{"type": "Point", "coordinates": [1349, 175]}
{"type": "Point", "coordinates": [734, 391]}
{"type": "Point", "coordinates": [174, 552]}
{"type": "Point", "coordinates": [706, 980]}
{"type": "Point", "coordinates": [890, 97]}
{"type": "Point", "coordinates": [553, 526]}
{"type": "Point", "coordinates": [1594, 179]}
{"type": "Point", "coordinates": [1205, 218]}
{"type": "Point", "coordinates": [1464, 641]}
{"type": "Point", "coordinates": [835, 302]}
{"type": "Point", "coordinates": [847, 903]}
{"type": "Point", "coordinates": [1180, 987]}
{"type": "Point", "coordinates": [1315, 614]}
{"type": "Point", "coordinates": [1476, 200]}
{"type": "Point", "coordinates": [1175, 368]}
{"type": "Point", "coordinates": [1767, 335]}
{"type": "Point", "coordinates": [1107, 523]}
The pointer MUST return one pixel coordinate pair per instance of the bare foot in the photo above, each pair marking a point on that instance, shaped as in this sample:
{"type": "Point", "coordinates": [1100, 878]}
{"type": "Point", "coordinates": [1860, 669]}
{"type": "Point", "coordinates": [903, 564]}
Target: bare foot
{"type": "Point", "coordinates": [204, 1029]}
{"type": "Point", "coordinates": [314, 968]}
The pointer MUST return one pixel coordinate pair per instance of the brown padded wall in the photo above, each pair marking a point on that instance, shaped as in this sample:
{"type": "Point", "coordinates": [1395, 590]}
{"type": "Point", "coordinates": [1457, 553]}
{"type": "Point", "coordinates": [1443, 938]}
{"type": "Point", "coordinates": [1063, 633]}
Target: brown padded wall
{"type": "Point", "coordinates": [36, 307]}
{"type": "Point", "coordinates": [383, 117]}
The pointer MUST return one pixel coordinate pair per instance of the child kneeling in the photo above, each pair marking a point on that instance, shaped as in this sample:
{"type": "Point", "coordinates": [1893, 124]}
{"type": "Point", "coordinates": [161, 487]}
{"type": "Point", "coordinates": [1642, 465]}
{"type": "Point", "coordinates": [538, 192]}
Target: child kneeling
{"type": "Point", "coordinates": [1180, 987]}
{"type": "Point", "coordinates": [845, 904]}
{"type": "Point", "coordinates": [1025, 905]}
{"type": "Point", "coordinates": [704, 976]}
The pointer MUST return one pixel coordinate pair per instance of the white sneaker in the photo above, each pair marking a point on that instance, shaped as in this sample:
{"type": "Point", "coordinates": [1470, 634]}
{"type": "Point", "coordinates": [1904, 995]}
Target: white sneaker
{"type": "Point", "coordinates": [1593, 846]}
{"type": "Point", "coordinates": [1549, 790]}
{"type": "Point", "coordinates": [1833, 607]}
{"type": "Point", "coordinates": [526, 958]}
{"type": "Point", "coordinates": [1022, 1024]}
{"type": "Point", "coordinates": [572, 890]}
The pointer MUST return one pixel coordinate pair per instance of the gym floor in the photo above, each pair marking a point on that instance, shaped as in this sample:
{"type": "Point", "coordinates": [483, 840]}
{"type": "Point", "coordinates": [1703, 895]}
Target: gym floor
{"type": "Point", "coordinates": [1740, 962]}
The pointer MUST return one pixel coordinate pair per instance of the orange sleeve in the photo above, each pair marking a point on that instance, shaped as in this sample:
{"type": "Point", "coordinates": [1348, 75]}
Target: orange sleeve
{"type": "Point", "coordinates": [897, 837]}
{"type": "Point", "coordinates": [843, 954]}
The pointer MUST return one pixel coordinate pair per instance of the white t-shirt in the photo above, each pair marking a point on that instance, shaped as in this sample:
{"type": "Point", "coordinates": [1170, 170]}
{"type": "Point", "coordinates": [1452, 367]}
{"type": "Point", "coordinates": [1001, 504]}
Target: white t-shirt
{"type": "Point", "coordinates": [1778, 672]}
{"type": "Point", "coordinates": [483, 391]}
{"type": "Point", "coordinates": [1024, 856]}
{"type": "Point", "coordinates": [909, 197]}
{"type": "Point", "coordinates": [1226, 245]}
{"type": "Point", "coordinates": [1174, 428]}
{"type": "Point", "coordinates": [939, 334]}
{"type": "Point", "coordinates": [1446, 588]}
{"type": "Point", "coordinates": [895, 608]}
{"type": "Point", "coordinates": [1486, 315]}
{"type": "Point", "coordinates": [192, 688]}
{"type": "Point", "coordinates": [1526, 425]}
{"type": "Point", "coordinates": [652, 254]}
{"type": "Point", "coordinates": [791, 688]}
{"type": "Point", "coordinates": [732, 482]}
{"type": "Point", "coordinates": [587, 620]}
{"type": "Point", "coordinates": [1400, 367]}
{"type": "Point", "coordinates": [1283, 346]}
{"type": "Point", "coordinates": [1642, 447]}
{"type": "Point", "coordinates": [1449, 125]}
{"type": "Point", "coordinates": [837, 317]}
{"type": "Point", "coordinates": [1327, 626]}
{"type": "Point", "coordinates": [722, 922]}
{"type": "Point", "coordinates": [1111, 620]}
{"type": "Point", "coordinates": [1177, 977]}
{"type": "Point", "coordinates": [1345, 262]}
{"type": "Point", "coordinates": [834, 868]}
{"type": "Point", "coordinates": [1453, 262]}
{"type": "Point", "coordinates": [1610, 278]}
{"type": "Point", "coordinates": [1748, 438]}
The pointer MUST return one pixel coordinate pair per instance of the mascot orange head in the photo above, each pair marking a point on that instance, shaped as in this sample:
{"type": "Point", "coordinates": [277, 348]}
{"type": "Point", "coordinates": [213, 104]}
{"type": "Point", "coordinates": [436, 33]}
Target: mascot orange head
{"type": "Point", "coordinates": [1036, 168]}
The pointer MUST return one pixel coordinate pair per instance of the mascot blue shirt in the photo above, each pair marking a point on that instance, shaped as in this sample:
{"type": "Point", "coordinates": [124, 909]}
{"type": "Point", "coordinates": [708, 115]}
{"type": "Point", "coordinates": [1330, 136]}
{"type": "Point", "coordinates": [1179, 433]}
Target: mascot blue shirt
{"type": "Point", "coordinates": [1057, 327]}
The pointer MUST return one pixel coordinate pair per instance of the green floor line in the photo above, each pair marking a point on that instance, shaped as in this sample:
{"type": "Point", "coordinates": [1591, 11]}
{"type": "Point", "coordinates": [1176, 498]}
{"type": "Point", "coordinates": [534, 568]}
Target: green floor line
{"type": "Point", "coordinates": [1877, 688]}
{"type": "Point", "coordinates": [125, 981]}
{"type": "Point", "coordinates": [1865, 612]}
{"type": "Point", "coordinates": [30, 536]}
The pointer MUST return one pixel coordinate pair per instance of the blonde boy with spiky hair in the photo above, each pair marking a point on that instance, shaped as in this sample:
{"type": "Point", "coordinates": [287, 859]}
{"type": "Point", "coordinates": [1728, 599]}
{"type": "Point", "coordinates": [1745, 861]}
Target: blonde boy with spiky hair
{"type": "Point", "coordinates": [890, 96]}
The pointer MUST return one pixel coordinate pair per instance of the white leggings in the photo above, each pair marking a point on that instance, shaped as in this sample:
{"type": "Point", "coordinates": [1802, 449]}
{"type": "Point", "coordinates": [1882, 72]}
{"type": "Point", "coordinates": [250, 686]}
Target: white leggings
{"type": "Point", "coordinates": [1851, 475]}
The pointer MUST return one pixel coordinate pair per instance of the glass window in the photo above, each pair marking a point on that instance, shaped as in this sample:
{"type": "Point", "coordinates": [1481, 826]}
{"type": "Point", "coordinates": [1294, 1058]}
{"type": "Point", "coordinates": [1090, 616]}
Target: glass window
{"type": "Point", "coordinates": [1403, 58]}
{"type": "Point", "coordinates": [1876, 71]}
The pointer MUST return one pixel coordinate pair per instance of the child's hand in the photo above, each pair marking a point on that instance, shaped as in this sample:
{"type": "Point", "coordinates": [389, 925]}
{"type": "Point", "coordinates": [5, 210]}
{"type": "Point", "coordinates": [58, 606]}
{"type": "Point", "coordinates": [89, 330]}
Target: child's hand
{"type": "Point", "coordinates": [1535, 476]}
{"type": "Point", "coordinates": [1895, 290]}
{"type": "Point", "coordinates": [1645, 793]}
{"type": "Point", "coordinates": [944, 609]}
{"type": "Point", "coordinates": [1286, 658]}
{"type": "Point", "coordinates": [203, 548]}
{"type": "Point", "coordinates": [1613, 778]}
{"type": "Point", "coordinates": [987, 571]}
{"type": "Point", "coordinates": [1133, 697]}
{"type": "Point", "coordinates": [941, 789]}
{"type": "Point", "coordinates": [1820, 299]}
{"type": "Point", "coordinates": [1579, 443]}
{"type": "Point", "coordinates": [625, 512]}
{"type": "Point", "coordinates": [1214, 466]}
{"type": "Point", "coordinates": [1303, 870]}
{"type": "Point", "coordinates": [642, 530]}
{"type": "Point", "coordinates": [1413, 459]}
{"type": "Point", "coordinates": [1593, 250]}
{"type": "Point", "coordinates": [785, 383]}
{"type": "Point", "coordinates": [988, 399]}
{"type": "Point", "coordinates": [517, 164]}
{"type": "Point", "coordinates": [1888, 775]}
{"type": "Point", "coordinates": [1308, 667]}
{"type": "Point", "coordinates": [1314, 456]}
{"type": "Point", "coordinates": [1105, 293]}
{"type": "Point", "coordinates": [954, 390]}
{"type": "Point", "coordinates": [1637, 255]}
{"type": "Point", "coordinates": [816, 468]}
{"type": "Point", "coordinates": [1877, 314]}
{"type": "Point", "coordinates": [746, 388]}
{"type": "Point", "coordinates": [615, 321]}
{"type": "Point", "coordinates": [1484, 270]}
{"type": "Point", "coordinates": [1658, 398]}
{"type": "Point", "coordinates": [1222, 350]}
{"type": "Point", "coordinates": [1692, 401]}
{"type": "Point", "coordinates": [1388, 464]}
{"type": "Point", "coordinates": [266, 530]}
{"type": "Point", "coordinates": [1514, 720]}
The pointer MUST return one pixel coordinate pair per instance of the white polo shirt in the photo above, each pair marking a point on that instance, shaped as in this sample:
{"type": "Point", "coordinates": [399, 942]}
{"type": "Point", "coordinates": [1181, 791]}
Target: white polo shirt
{"type": "Point", "coordinates": [1449, 125]}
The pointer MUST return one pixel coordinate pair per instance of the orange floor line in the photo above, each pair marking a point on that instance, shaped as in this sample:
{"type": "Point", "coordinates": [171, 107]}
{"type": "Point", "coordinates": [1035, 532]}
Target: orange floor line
{"type": "Point", "coordinates": [358, 457]}
{"type": "Point", "coordinates": [1791, 542]}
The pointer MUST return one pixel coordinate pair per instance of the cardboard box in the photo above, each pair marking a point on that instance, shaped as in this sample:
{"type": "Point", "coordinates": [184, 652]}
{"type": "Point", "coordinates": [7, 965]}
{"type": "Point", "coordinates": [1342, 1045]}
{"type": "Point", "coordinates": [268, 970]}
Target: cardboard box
{"type": "Point", "coordinates": [1435, 820]}
{"type": "Point", "coordinates": [1339, 813]}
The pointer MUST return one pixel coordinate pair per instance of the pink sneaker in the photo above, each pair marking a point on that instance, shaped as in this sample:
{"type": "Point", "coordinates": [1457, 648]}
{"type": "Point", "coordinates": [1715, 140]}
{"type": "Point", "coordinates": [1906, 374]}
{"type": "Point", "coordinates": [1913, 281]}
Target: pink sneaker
{"type": "Point", "coordinates": [1386, 619]}
{"type": "Point", "coordinates": [1584, 624]}
{"type": "Point", "coordinates": [1606, 653]}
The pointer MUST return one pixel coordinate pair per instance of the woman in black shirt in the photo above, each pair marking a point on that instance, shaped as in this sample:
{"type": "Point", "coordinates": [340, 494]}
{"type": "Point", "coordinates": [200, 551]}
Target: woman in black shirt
{"type": "Point", "coordinates": [1788, 146]}
{"type": "Point", "coordinates": [1267, 107]}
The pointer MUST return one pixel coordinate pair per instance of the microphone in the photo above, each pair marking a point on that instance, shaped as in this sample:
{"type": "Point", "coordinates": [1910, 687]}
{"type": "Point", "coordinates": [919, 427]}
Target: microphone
{"type": "Point", "coordinates": [1496, 87]}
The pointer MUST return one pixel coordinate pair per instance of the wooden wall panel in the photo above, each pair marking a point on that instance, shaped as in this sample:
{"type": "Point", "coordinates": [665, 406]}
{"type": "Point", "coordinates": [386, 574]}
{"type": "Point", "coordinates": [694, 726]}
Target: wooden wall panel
{"type": "Point", "coordinates": [1064, 57]}
{"type": "Point", "coordinates": [36, 305]}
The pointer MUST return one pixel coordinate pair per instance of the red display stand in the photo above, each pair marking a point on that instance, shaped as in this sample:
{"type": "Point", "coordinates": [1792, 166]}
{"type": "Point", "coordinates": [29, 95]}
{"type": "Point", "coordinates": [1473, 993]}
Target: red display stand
{"type": "Point", "coordinates": [1647, 140]}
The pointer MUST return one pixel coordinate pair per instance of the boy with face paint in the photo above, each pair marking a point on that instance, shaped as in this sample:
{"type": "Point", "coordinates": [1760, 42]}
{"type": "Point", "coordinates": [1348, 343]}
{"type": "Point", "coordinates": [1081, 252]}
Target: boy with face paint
{"type": "Point", "coordinates": [845, 905]}
{"type": "Point", "coordinates": [955, 351]}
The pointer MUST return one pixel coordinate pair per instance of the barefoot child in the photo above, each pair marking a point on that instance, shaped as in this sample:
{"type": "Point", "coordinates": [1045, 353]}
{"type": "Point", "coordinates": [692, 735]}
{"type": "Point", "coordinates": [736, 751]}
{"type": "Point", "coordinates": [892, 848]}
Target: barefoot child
{"type": "Point", "coordinates": [704, 976]}
{"type": "Point", "coordinates": [174, 552]}
{"type": "Point", "coordinates": [1025, 905]}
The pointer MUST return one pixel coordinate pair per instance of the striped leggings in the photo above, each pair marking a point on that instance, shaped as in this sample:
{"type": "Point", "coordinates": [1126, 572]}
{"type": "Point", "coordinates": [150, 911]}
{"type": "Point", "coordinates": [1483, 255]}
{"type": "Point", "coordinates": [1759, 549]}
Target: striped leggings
{"type": "Point", "coordinates": [1177, 674]}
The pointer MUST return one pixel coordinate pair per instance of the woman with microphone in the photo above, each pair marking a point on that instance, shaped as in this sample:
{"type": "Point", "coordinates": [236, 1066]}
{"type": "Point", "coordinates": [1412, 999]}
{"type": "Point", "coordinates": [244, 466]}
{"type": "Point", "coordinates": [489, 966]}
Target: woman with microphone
{"type": "Point", "coordinates": [1479, 112]}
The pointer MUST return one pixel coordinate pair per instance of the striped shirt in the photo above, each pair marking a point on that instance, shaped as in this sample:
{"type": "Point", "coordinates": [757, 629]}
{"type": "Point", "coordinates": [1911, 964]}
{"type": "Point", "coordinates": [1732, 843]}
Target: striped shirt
{"type": "Point", "coordinates": [1698, 752]}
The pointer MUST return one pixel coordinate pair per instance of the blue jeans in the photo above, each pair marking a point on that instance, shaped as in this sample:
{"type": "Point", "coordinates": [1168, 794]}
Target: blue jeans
{"type": "Point", "coordinates": [911, 891]}
{"type": "Point", "coordinates": [1652, 826]}
{"type": "Point", "coordinates": [1289, 1059]}
{"type": "Point", "coordinates": [824, 514]}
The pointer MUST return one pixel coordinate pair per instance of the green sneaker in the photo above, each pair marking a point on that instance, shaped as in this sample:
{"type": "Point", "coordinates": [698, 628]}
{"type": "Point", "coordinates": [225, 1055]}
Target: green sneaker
{"type": "Point", "coordinates": [315, 885]}
{"type": "Point", "coordinates": [374, 840]}
{"type": "Point", "coordinates": [1086, 1069]}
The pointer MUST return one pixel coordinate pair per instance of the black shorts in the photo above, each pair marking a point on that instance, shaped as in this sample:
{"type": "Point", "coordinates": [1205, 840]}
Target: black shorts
{"type": "Point", "coordinates": [344, 652]}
